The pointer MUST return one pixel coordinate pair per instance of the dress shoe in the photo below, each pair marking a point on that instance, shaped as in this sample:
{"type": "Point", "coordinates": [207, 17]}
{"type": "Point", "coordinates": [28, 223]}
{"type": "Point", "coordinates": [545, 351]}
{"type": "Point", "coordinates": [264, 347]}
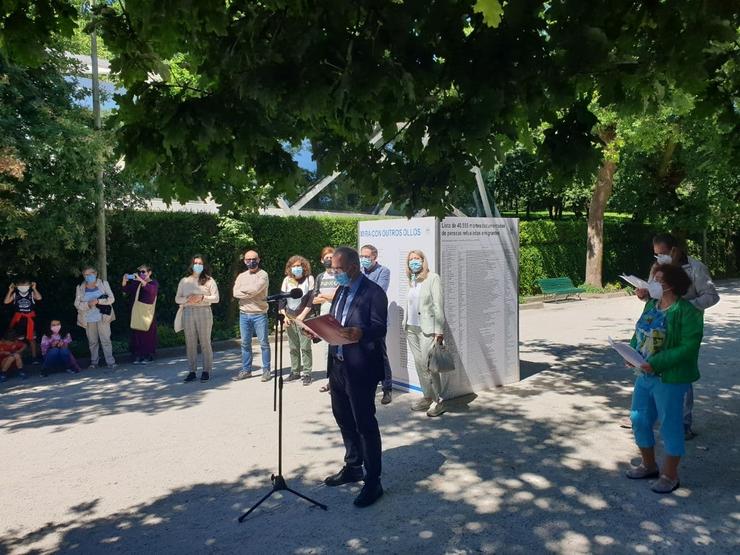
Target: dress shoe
{"type": "Point", "coordinates": [370, 494]}
{"type": "Point", "coordinates": [347, 475]}
{"type": "Point", "coordinates": [386, 398]}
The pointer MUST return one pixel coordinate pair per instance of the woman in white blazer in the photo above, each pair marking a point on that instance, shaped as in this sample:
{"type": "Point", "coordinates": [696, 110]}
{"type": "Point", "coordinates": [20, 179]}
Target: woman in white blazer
{"type": "Point", "coordinates": [424, 321]}
{"type": "Point", "coordinates": [94, 299]}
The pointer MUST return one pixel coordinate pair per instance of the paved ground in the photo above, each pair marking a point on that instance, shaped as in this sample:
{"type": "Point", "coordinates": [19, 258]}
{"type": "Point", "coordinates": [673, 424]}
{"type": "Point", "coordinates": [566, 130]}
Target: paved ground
{"type": "Point", "coordinates": [133, 461]}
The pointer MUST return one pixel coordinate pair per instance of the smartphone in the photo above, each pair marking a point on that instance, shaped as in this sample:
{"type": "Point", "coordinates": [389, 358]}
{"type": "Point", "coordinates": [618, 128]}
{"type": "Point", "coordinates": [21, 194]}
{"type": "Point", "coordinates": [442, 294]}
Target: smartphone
{"type": "Point", "coordinates": [130, 276]}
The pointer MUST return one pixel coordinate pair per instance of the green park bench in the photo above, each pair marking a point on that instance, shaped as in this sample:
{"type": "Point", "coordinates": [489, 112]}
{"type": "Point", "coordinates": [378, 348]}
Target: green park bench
{"type": "Point", "coordinates": [559, 286]}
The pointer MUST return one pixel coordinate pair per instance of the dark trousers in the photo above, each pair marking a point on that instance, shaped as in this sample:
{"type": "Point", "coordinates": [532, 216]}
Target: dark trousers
{"type": "Point", "coordinates": [353, 405]}
{"type": "Point", "coordinates": [387, 376]}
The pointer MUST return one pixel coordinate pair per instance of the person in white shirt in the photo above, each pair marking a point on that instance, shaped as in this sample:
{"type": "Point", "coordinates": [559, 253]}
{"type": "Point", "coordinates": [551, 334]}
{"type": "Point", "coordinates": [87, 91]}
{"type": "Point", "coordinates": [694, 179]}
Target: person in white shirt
{"type": "Point", "coordinates": [424, 322]}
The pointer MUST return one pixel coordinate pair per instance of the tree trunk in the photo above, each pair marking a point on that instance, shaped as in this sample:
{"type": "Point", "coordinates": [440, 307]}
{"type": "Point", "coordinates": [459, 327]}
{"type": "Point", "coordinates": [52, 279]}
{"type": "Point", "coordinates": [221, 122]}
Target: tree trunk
{"type": "Point", "coordinates": [602, 192]}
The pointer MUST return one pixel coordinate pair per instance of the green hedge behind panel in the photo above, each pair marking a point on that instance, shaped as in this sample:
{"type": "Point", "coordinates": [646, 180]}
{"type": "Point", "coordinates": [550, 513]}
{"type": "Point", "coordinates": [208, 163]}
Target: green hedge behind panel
{"type": "Point", "coordinates": [167, 240]}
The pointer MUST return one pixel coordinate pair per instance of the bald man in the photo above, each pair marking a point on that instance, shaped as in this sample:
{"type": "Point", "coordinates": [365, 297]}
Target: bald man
{"type": "Point", "coordinates": [250, 289]}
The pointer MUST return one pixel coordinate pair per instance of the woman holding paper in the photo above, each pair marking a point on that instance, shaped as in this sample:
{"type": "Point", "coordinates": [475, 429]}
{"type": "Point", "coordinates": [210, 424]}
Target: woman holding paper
{"type": "Point", "coordinates": [667, 335]}
{"type": "Point", "coordinates": [424, 321]}
{"type": "Point", "coordinates": [298, 276]}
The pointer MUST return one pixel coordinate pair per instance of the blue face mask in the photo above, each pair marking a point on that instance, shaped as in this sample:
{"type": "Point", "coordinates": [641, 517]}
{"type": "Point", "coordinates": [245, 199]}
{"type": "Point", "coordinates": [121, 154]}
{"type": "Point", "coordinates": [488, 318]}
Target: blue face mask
{"type": "Point", "coordinates": [365, 262]}
{"type": "Point", "coordinates": [297, 271]}
{"type": "Point", "coordinates": [342, 278]}
{"type": "Point", "coordinates": [198, 268]}
{"type": "Point", "coordinates": [90, 278]}
{"type": "Point", "coordinates": [415, 266]}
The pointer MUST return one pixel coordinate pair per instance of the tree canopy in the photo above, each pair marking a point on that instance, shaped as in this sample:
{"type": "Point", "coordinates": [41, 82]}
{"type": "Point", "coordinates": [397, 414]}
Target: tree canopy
{"type": "Point", "coordinates": [214, 89]}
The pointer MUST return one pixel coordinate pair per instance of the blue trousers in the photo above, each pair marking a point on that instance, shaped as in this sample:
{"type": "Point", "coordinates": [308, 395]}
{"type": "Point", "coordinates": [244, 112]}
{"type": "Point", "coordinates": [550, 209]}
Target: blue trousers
{"type": "Point", "coordinates": [653, 400]}
{"type": "Point", "coordinates": [254, 324]}
{"type": "Point", "coordinates": [58, 358]}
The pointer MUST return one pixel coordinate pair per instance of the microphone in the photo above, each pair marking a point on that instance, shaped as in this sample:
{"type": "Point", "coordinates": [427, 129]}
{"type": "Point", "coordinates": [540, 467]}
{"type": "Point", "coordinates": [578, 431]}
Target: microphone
{"type": "Point", "coordinates": [296, 293]}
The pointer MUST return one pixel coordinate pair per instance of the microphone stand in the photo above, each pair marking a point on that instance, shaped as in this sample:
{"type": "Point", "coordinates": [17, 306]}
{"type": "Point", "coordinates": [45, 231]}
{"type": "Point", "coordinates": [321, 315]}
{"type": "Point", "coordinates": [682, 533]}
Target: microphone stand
{"type": "Point", "coordinates": [278, 481]}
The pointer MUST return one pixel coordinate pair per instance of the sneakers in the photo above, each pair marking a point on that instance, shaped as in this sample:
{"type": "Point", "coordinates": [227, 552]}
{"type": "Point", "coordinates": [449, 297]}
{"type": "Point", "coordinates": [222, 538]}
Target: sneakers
{"type": "Point", "coordinates": [347, 475]}
{"type": "Point", "coordinates": [438, 409]}
{"type": "Point", "coordinates": [665, 485]}
{"type": "Point", "coordinates": [205, 376]}
{"type": "Point", "coordinates": [421, 404]}
{"type": "Point", "coordinates": [71, 371]}
{"type": "Point", "coordinates": [688, 435]}
{"type": "Point", "coordinates": [112, 366]}
{"type": "Point", "coordinates": [266, 376]}
{"type": "Point", "coordinates": [293, 377]}
{"type": "Point", "coordinates": [642, 473]}
{"type": "Point", "coordinates": [93, 366]}
{"type": "Point", "coordinates": [242, 375]}
{"type": "Point", "coordinates": [137, 361]}
{"type": "Point", "coordinates": [190, 377]}
{"type": "Point", "coordinates": [307, 379]}
{"type": "Point", "coordinates": [3, 377]}
{"type": "Point", "coordinates": [22, 375]}
{"type": "Point", "coordinates": [386, 397]}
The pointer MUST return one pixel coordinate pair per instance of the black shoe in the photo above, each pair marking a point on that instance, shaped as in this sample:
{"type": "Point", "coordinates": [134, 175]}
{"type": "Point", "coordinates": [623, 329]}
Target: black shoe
{"type": "Point", "coordinates": [347, 475]}
{"type": "Point", "coordinates": [307, 379]}
{"type": "Point", "coordinates": [293, 377]}
{"type": "Point", "coordinates": [386, 398]}
{"type": "Point", "coordinates": [204, 376]}
{"type": "Point", "coordinates": [190, 377]}
{"type": "Point", "coordinates": [370, 494]}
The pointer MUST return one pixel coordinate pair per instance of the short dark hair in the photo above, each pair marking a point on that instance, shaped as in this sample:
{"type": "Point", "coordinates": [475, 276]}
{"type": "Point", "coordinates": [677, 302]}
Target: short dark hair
{"type": "Point", "coordinates": [371, 248]}
{"type": "Point", "coordinates": [674, 277]}
{"type": "Point", "coordinates": [665, 239]}
{"type": "Point", "coordinates": [348, 254]}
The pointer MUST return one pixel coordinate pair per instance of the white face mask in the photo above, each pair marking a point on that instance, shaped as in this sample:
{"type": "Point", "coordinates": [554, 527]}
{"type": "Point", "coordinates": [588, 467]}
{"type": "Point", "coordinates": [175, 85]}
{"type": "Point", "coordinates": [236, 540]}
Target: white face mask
{"type": "Point", "coordinates": [24, 288]}
{"type": "Point", "coordinates": [663, 258]}
{"type": "Point", "coordinates": [656, 290]}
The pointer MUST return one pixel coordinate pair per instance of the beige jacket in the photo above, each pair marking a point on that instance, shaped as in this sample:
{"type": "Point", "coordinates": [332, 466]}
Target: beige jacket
{"type": "Point", "coordinates": [250, 289]}
{"type": "Point", "coordinates": [82, 306]}
{"type": "Point", "coordinates": [431, 306]}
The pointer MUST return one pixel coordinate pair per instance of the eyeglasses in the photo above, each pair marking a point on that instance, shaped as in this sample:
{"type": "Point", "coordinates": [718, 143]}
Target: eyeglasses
{"type": "Point", "coordinates": [251, 259]}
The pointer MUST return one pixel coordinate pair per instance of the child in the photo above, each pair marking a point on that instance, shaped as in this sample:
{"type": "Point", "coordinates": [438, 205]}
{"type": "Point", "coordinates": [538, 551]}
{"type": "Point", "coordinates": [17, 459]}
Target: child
{"type": "Point", "coordinates": [55, 350]}
{"type": "Point", "coordinates": [10, 354]}
{"type": "Point", "coordinates": [24, 295]}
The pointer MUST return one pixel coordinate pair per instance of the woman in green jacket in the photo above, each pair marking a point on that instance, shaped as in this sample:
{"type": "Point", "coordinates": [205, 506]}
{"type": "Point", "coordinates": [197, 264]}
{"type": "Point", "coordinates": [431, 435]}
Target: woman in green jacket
{"type": "Point", "coordinates": [668, 335]}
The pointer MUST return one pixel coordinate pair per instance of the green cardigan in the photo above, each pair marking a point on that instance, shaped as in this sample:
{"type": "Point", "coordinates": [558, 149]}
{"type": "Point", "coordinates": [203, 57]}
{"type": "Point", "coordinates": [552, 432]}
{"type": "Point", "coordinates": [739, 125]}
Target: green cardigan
{"type": "Point", "coordinates": [677, 361]}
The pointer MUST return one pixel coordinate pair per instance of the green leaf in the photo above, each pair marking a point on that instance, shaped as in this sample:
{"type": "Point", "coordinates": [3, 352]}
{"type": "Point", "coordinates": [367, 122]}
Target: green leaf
{"type": "Point", "coordinates": [491, 11]}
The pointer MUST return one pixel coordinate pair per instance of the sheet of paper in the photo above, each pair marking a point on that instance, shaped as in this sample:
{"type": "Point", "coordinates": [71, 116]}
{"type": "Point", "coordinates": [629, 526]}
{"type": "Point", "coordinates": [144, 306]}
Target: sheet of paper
{"type": "Point", "coordinates": [325, 327]}
{"type": "Point", "coordinates": [627, 353]}
{"type": "Point", "coordinates": [635, 281]}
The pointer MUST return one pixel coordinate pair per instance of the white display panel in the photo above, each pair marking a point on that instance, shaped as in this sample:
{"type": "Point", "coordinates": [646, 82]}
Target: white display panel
{"type": "Point", "coordinates": [479, 259]}
{"type": "Point", "coordinates": [394, 239]}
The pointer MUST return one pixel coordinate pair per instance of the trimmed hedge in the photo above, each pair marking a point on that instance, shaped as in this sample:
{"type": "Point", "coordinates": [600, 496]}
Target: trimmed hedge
{"type": "Point", "coordinates": [167, 240]}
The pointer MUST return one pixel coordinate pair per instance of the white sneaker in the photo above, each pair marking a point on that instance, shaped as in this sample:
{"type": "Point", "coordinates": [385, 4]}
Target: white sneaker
{"type": "Point", "coordinates": [438, 409]}
{"type": "Point", "coordinates": [421, 404]}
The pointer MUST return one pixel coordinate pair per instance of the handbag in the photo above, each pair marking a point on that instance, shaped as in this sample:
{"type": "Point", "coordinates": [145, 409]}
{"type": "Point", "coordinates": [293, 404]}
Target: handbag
{"type": "Point", "coordinates": [440, 359]}
{"type": "Point", "coordinates": [142, 314]}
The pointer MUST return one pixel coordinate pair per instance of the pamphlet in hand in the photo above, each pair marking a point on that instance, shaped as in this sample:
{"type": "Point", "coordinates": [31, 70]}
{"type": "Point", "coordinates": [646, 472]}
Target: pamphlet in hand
{"type": "Point", "coordinates": [325, 327]}
{"type": "Point", "coordinates": [635, 281]}
{"type": "Point", "coordinates": [630, 355]}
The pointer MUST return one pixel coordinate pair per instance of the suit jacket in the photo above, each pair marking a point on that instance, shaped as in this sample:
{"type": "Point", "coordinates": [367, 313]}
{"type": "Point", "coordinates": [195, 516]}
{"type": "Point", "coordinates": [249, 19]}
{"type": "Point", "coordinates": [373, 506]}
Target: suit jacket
{"type": "Point", "coordinates": [431, 306]}
{"type": "Point", "coordinates": [369, 312]}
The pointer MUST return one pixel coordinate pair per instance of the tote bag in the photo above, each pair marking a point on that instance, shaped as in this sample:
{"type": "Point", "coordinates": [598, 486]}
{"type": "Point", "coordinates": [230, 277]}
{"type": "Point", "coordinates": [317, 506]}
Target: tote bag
{"type": "Point", "coordinates": [142, 314]}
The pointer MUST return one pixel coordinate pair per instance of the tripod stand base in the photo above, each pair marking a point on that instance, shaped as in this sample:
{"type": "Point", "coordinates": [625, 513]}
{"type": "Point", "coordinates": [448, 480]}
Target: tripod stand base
{"type": "Point", "coordinates": [278, 484]}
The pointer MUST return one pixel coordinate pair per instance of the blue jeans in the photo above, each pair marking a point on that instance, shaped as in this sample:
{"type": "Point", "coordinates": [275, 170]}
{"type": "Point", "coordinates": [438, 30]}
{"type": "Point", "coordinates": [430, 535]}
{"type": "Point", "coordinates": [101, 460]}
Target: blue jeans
{"type": "Point", "coordinates": [57, 358]}
{"type": "Point", "coordinates": [254, 324]}
{"type": "Point", "coordinates": [654, 400]}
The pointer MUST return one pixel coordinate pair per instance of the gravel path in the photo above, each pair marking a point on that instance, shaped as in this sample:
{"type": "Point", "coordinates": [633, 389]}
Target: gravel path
{"type": "Point", "coordinates": [133, 461]}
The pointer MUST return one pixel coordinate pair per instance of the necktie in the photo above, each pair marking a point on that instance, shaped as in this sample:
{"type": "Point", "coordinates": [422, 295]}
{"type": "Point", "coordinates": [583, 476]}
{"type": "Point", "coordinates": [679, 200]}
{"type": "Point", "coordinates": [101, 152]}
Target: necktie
{"type": "Point", "coordinates": [342, 301]}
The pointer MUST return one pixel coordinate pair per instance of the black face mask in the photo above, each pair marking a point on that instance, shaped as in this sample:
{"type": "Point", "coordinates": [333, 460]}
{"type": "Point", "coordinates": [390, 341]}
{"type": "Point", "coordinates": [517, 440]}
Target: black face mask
{"type": "Point", "coordinates": [327, 264]}
{"type": "Point", "coordinates": [251, 264]}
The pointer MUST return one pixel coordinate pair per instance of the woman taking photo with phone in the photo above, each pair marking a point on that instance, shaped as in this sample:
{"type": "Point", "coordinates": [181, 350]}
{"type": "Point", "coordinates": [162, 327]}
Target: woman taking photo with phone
{"type": "Point", "coordinates": [196, 292]}
{"type": "Point", "coordinates": [141, 288]}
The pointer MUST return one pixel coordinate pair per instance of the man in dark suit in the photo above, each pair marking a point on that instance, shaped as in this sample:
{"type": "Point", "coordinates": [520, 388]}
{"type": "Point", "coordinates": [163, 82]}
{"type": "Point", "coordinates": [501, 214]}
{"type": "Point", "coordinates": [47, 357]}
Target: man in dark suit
{"type": "Point", "coordinates": [354, 372]}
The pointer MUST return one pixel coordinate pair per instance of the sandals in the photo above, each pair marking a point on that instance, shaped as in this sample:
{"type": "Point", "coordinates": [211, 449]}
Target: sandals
{"type": "Point", "coordinates": [324, 388]}
{"type": "Point", "coordinates": [642, 473]}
